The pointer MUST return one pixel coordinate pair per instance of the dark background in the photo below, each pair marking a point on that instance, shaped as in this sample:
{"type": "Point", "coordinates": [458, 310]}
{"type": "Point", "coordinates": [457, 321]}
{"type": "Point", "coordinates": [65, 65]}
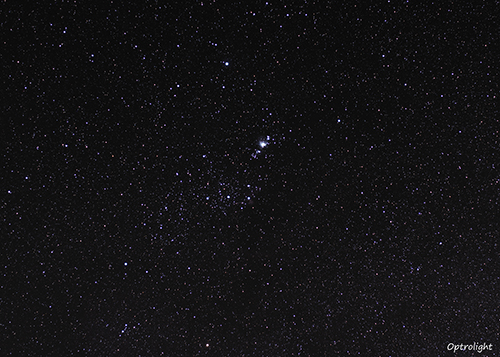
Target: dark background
{"type": "Point", "coordinates": [142, 217]}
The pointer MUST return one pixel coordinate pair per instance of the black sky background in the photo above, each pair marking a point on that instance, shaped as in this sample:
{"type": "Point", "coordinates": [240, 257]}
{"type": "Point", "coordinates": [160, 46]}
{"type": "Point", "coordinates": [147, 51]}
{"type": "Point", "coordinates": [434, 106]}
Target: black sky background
{"type": "Point", "coordinates": [249, 178]}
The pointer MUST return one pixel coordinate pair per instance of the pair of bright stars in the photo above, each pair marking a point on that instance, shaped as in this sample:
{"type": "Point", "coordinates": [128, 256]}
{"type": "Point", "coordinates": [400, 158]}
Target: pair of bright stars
{"type": "Point", "coordinates": [264, 143]}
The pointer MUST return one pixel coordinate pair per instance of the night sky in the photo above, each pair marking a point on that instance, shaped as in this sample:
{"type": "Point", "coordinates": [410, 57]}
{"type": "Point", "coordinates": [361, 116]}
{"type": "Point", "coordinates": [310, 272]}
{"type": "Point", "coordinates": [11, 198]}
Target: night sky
{"type": "Point", "coordinates": [249, 178]}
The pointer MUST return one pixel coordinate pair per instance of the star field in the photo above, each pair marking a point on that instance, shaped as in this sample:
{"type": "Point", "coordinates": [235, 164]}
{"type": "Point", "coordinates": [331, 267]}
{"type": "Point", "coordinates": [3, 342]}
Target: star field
{"type": "Point", "coordinates": [249, 179]}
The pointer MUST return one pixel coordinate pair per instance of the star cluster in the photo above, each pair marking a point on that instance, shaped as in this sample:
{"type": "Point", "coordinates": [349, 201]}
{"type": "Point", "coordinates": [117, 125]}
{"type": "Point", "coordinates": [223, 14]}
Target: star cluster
{"type": "Point", "coordinates": [316, 178]}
